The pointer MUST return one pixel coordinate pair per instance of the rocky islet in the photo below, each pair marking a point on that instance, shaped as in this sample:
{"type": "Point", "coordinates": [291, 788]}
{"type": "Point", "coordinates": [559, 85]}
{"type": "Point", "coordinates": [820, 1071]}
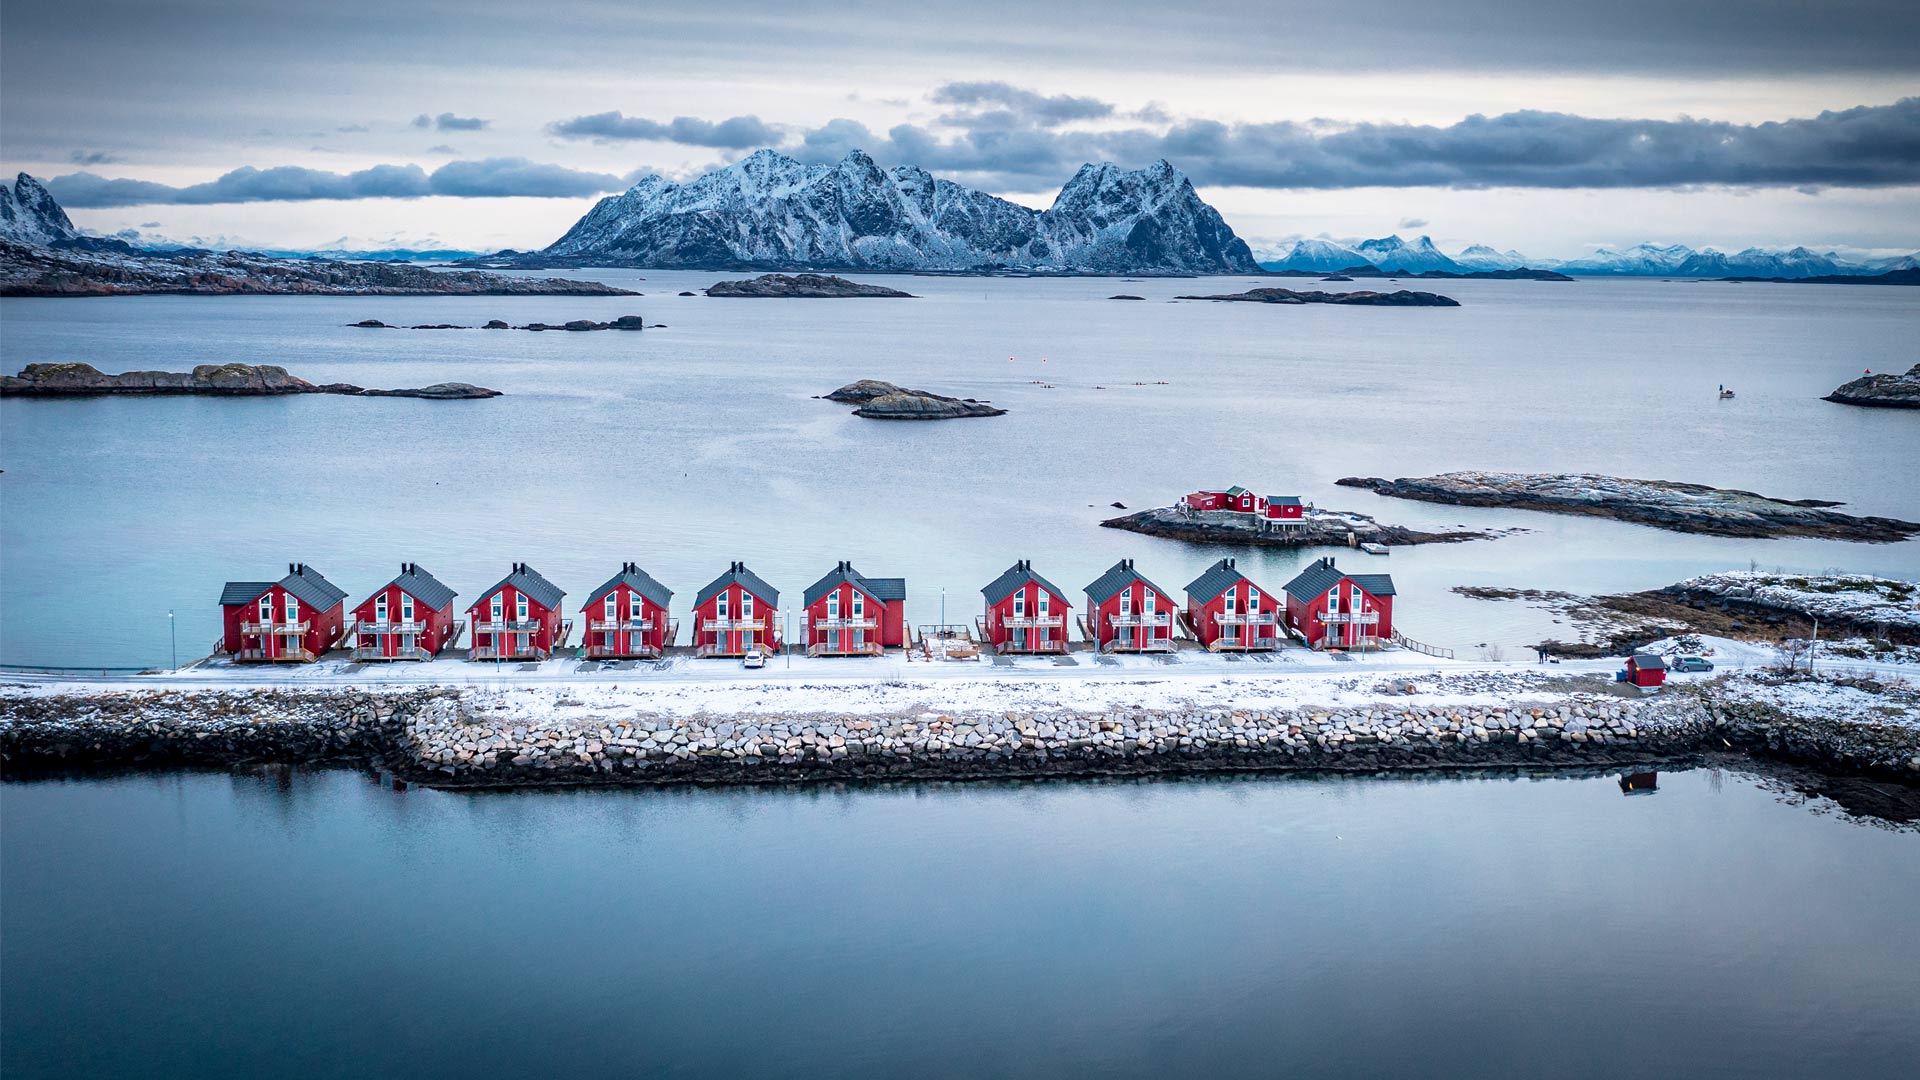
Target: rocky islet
{"type": "Point", "coordinates": [213, 380]}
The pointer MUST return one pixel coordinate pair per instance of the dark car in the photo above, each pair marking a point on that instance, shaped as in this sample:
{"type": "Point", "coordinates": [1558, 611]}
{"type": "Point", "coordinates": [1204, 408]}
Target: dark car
{"type": "Point", "coordinates": [1691, 663]}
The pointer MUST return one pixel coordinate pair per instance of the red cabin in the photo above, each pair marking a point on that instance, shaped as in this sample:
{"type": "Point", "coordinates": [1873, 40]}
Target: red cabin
{"type": "Point", "coordinates": [409, 618]}
{"type": "Point", "coordinates": [735, 614]}
{"type": "Point", "coordinates": [1236, 500]}
{"type": "Point", "coordinates": [851, 615]}
{"type": "Point", "coordinates": [1229, 612]}
{"type": "Point", "coordinates": [626, 618]}
{"type": "Point", "coordinates": [293, 620]}
{"type": "Point", "coordinates": [1285, 508]}
{"type": "Point", "coordinates": [519, 618]}
{"type": "Point", "coordinates": [1128, 613]}
{"type": "Point", "coordinates": [1025, 613]}
{"type": "Point", "coordinates": [1646, 670]}
{"type": "Point", "coordinates": [1331, 609]}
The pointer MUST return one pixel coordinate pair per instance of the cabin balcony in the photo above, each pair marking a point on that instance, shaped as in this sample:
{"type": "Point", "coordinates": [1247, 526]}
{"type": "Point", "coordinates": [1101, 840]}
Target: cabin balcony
{"type": "Point", "coordinates": [1034, 622]}
{"type": "Point", "coordinates": [1244, 643]}
{"type": "Point", "coordinates": [613, 626]}
{"type": "Point", "coordinates": [292, 655]}
{"type": "Point", "coordinates": [718, 650]}
{"type": "Point", "coordinates": [373, 651]}
{"type": "Point", "coordinates": [277, 629]}
{"type": "Point", "coordinates": [1128, 644]}
{"type": "Point", "coordinates": [509, 626]}
{"type": "Point", "coordinates": [1247, 618]}
{"type": "Point", "coordinates": [508, 651]}
{"type": "Point", "coordinates": [1351, 618]}
{"type": "Point", "coordinates": [732, 626]}
{"type": "Point", "coordinates": [1158, 618]}
{"type": "Point", "coordinates": [858, 623]}
{"type": "Point", "coordinates": [391, 627]}
{"type": "Point", "coordinates": [846, 648]}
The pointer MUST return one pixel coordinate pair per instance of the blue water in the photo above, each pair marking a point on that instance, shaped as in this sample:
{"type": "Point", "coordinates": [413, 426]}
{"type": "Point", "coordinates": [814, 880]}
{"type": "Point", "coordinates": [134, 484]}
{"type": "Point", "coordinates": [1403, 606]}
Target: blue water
{"type": "Point", "coordinates": [318, 924]}
{"type": "Point", "coordinates": [687, 447]}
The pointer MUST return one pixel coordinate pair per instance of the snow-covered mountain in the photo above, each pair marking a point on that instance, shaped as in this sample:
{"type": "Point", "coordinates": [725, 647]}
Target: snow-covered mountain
{"type": "Point", "coordinates": [1482, 257]}
{"type": "Point", "coordinates": [28, 214]}
{"type": "Point", "coordinates": [768, 211]}
{"type": "Point", "coordinates": [1315, 256]}
{"type": "Point", "coordinates": [1393, 253]}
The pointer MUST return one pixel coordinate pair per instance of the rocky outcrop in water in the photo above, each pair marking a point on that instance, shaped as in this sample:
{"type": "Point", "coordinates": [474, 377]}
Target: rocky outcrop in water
{"type": "Point", "coordinates": [1357, 298]}
{"type": "Point", "coordinates": [885, 401]}
{"type": "Point", "coordinates": [215, 380]}
{"type": "Point", "coordinates": [806, 286]}
{"type": "Point", "coordinates": [1883, 391]}
{"type": "Point", "coordinates": [1665, 504]}
{"type": "Point", "coordinates": [624, 322]}
{"type": "Point", "coordinates": [1318, 528]}
{"type": "Point", "coordinates": [768, 211]}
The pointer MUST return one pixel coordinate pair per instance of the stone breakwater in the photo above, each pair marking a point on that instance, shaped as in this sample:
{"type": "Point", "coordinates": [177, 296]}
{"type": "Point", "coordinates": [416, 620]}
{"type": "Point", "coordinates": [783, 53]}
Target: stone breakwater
{"type": "Point", "coordinates": [442, 737]}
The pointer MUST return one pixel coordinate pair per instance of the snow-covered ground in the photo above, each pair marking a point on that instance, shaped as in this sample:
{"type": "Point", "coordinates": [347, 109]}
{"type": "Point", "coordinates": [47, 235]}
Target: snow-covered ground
{"type": "Point", "coordinates": [1857, 598]}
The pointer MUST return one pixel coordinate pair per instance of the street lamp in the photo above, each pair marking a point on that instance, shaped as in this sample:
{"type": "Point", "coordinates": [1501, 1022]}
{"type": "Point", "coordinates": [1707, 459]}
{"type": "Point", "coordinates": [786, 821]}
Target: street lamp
{"type": "Point", "coordinates": [173, 638]}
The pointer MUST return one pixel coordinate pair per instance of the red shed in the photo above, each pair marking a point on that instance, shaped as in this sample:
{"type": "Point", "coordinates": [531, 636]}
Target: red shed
{"type": "Point", "coordinates": [1235, 500]}
{"type": "Point", "coordinates": [1128, 613]}
{"type": "Point", "coordinates": [1331, 609]}
{"type": "Point", "coordinates": [519, 618]}
{"type": "Point", "coordinates": [1025, 612]}
{"type": "Point", "coordinates": [409, 618]}
{"type": "Point", "coordinates": [1228, 611]}
{"type": "Point", "coordinates": [1646, 669]}
{"type": "Point", "coordinates": [626, 618]}
{"type": "Point", "coordinates": [293, 620]}
{"type": "Point", "coordinates": [1285, 508]}
{"type": "Point", "coordinates": [851, 615]}
{"type": "Point", "coordinates": [736, 613]}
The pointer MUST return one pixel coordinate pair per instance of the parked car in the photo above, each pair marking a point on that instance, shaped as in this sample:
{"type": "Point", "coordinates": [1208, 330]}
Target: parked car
{"type": "Point", "coordinates": [754, 658]}
{"type": "Point", "coordinates": [1690, 663]}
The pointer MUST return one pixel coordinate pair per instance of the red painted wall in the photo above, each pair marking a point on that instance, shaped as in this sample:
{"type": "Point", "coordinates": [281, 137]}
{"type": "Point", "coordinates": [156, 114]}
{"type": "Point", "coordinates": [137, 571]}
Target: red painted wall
{"type": "Point", "coordinates": [890, 620]}
{"type": "Point", "coordinates": [1205, 615]}
{"type": "Point", "coordinates": [734, 641]}
{"type": "Point", "coordinates": [439, 623]}
{"type": "Point", "coordinates": [541, 637]}
{"type": "Point", "coordinates": [630, 642]}
{"type": "Point", "coordinates": [1286, 510]}
{"type": "Point", "coordinates": [325, 627]}
{"type": "Point", "coordinates": [1306, 615]}
{"type": "Point", "coordinates": [998, 633]}
{"type": "Point", "coordinates": [1101, 615]}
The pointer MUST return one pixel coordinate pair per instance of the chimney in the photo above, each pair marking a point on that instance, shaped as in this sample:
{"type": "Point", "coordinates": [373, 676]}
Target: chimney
{"type": "Point", "coordinates": [1231, 564]}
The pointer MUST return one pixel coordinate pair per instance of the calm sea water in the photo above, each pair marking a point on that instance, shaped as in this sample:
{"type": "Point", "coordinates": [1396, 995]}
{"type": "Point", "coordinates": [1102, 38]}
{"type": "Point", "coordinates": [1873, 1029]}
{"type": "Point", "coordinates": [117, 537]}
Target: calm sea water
{"type": "Point", "coordinates": [687, 447]}
{"type": "Point", "coordinates": [317, 924]}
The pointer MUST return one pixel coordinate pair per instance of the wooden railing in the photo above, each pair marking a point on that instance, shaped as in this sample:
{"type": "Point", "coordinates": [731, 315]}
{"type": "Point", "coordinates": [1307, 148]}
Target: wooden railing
{"type": "Point", "coordinates": [1406, 642]}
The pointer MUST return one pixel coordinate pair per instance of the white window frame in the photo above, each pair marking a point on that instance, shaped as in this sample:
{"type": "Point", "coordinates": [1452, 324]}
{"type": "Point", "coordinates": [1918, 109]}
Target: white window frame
{"type": "Point", "coordinates": [520, 607]}
{"type": "Point", "coordinates": [406, 606]}
{"type": "Point", "coordinates": [1231, 601]}
{"type": "Point", "coordinates": [610, 607]}
{"type": "Point", "coordinates": [859, 605]}
{"type": "Point", "coordinates": [635, 609]}
{"type": "Point", "coordinates": [746, 605]}
{"type": "Point", "coordinates": [720, 608]}
{"type": "Point", "coordinates": [1126, 602]}
{"type": "Point", "coordinates": [293, 609]}
{"type": "Point", "coordinates": [1020, 604]}
{"type": "Point", "coordinates": [1045, 604]}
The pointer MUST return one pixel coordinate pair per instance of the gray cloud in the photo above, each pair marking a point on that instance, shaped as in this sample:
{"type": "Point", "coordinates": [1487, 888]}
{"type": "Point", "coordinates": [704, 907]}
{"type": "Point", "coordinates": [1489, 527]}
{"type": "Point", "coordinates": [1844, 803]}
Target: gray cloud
{"type": "Point", "coordinates": [1004, 100]}
{"type": "Point", "coordinates": [490, 177]}
{"type": "Point", "coordinates": [92, 157]}
{"type": "Point", "coordinates": [1867, 146]}
{"type": "Point", "coordinates": [1413, 223]}
{"type": "Point", "coordinates": [446, 121]}
{"type": "Point", "coordinates": [441, 148]}
{"type": "Point", "coordinates": [733, 133]}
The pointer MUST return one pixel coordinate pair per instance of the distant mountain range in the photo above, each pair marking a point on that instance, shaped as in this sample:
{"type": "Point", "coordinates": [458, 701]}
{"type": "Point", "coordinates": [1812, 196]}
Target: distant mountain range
{"type": "Point", "coordinates": [1675, 260]}
{"type": "Point", "coordinates": [770, 212]}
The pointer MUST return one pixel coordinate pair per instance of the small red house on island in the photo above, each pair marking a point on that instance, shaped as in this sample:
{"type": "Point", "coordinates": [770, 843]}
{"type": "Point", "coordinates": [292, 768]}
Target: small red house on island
{"type": "Point", "coordinates": [409, 618]}
{"type": "Point", "coordinates": [1331, 609]}
{"type": "Point", "coordinates": [736, 614]}
{"type": "Point", "coordinates": [1230, 612]}
{"type": "Point", "coordinates": [1285, 508]}
{"type": "Point", "coordinates": [519, 618]}
{"type": "Point", "coordinates": [1025, 612]}
{"type": "Point", "coordinates": [1646, 670]}
{"type": "Point", "coordinates": [626, 618]}
{"type": "Point", "coordinates": [1128, 613]}
{"type": "Point", "coordinates": [847, 614]}
{"type": "Point", "coordinates": [293, 620]}
{"type": "Point", "coordinates": [1236, 499]}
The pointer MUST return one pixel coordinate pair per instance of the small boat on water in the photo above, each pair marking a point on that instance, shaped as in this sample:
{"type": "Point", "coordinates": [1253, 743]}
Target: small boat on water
{"type": "Point", "coordinates": [1724, 392]}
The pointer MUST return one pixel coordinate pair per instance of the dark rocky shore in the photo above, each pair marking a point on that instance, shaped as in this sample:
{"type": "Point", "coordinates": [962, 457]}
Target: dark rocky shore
{"type": "Point", "coordinates": [885, 401]}
{"type": "Point", "coordinates": [1884, 391]}
{"type": "Point", "coordinates": [1664, 504]}
{"type": "Point", "coordinates": [213, 380]}
{"type": "Point", "coordinates": [1357, 298]}
{"type": "Point", "coordinates": [1320, 528]}
{"type": "Point", "coordinates": [807, 286]}
{"type": "Point", "coordinates": [624, 322]}
{"type": "Point", "coordinates": [431, 736]}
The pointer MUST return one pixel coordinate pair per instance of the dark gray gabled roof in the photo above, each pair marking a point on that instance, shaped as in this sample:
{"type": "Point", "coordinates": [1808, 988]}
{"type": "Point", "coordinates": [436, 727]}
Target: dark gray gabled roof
{"type": "Point", "coordinates": [1649, 661]}
{"type": "Point", "coordinates": [882, 589]}
{"type": "Point", "coordinates": [636, 579]}
{"type": "Point", "coordinates": [307, 586]}
{"type": "Point", "coordinates": [422, 586]}
{"type": "Point", "coordinates": [1322, 575]}
{"type": "Point", "coordinates": [1218, 579]}
{"type": "Point", "coordinates": [1117, 577]}
{"type": "Point", "coordinates": [526, 579]}
{"type": "Point", "coordinates": [243, 592]}
{"type": "Point", "coordinates": [1283, 500]}
{"type": "Point", "coordinates": [1013, 578]}
{"type": "Point", "coordinates": [737, 573]}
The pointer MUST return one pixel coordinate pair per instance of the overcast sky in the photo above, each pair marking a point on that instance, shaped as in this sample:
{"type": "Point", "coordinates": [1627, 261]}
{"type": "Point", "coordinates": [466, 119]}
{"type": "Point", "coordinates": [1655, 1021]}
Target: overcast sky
{"type": "Point", "coordinates": [1545, 126]}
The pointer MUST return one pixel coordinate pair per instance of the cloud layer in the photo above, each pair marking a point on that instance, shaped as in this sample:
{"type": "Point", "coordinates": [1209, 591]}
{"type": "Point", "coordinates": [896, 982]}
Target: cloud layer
{"type": "Point", "coordinates": [733, 133]}
{"type": "Point", "coordinates": [487, 177]}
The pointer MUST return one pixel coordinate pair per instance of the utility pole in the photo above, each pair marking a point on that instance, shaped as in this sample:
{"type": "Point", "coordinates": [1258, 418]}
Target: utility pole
{"type": "Point", "coordinates": [1811, 644]}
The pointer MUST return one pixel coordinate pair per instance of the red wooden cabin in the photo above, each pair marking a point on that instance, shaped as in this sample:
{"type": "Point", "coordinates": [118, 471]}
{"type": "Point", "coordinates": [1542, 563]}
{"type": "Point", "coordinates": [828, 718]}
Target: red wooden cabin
{"type": "Point", "coordinates": [851, 615]}
{"type": "Point", "coordinates": [409, 618]}
{"type": "Point", "coordinates": [1025, 612]}
{"type": "Point", "coordinates": [1128, 613]}
{"type": "Point", "coordinates": [736, 613]}
{"type": "Point", "coordinates": [626, 618]}
{"type": "Point", "coordinates": [519, 618]}
{"type": "Point", "coordinates": [1236, 499]}
{"type": "Point", "coordinates": [1331, 609]}
{"type": "Point", "coordinates": [293, 620]}
{"type": "Point", "coordinates": [1646, 670]}
{"type": "Point", "coordinates": [1229, 612]}
{"type": "Point", "coordinates": [1285, 508]}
